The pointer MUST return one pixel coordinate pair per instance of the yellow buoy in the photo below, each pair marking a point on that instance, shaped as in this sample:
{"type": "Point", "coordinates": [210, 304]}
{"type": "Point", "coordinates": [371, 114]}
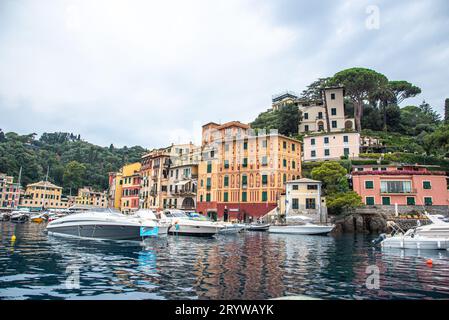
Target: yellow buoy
{"type": "Point", "coordinates": [13, 238]}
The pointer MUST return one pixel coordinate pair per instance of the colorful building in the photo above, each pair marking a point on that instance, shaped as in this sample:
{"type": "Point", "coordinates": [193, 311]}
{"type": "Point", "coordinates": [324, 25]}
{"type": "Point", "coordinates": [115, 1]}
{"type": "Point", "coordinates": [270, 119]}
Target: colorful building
{"type": "Point", "coordinates": [242, 174]}
{"type": "Point", "coordinates": [9, 192]}
{"type": "Point", "coordinates": [331, 146]}
{"type": "Point", "coordinates": [88, 197]}
{"type": "Point", "coordinates": [402, 185]}
{"type": "Point", "coordinates": [303, 197]}
{"type": "Point", "coordinates": [124, 188]}
{"type": "Point", "coordinates": [43, 195]}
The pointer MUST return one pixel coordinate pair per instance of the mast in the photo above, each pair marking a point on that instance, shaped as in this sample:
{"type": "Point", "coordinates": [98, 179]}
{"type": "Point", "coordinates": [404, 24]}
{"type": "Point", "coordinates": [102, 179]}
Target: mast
{"type": "Point", "coordinates": [45, 188]}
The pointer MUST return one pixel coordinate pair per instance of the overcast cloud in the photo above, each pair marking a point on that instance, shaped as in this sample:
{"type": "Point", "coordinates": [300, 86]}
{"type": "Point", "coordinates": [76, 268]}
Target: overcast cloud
{"type": "Point", "coordinates": [152, 72]}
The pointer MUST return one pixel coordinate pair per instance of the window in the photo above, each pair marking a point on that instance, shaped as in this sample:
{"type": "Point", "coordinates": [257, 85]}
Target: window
{"type": "Point", "coordinates": [346, 151]}
{"type": "Point", "coordinates": [226, 164]}
{"type": "Point", "coordinates": [410, 201]}
{"type": "Point", "coordinates": [332, 96]}
{"type": "Point", "coordinates": [284, 144]}
{"type": "Point", "coordinates": [428, 201]}
{"type": "Point", "coordinates": [245, 162]}
{"type": "Point", "coordinates": [306, 116]}
{"type": "Point", "coordinates": [369, 201]}
{"type": "Point", "coordinates": [312, 142]}
{"type": "Point", "coordinates": [313, 153]}
{"type": "Point", "coordinates": [264, 161]}
{"type": "Point", "coordinates": [345, 139]}
{"type": "Point", "coordinates": [264, 179]}
{"type": "Point", "coordinates": [310, 203]}
{"type": "Point", "coordinates": [284, 162]}
{"type": "Point", "coordinates": [244, 196]}
{"type": "Point", "coordinates": [326, 152]}
{"type": "Point", "coordinates": [295, 204]}
{"type": "Point", "coordinates": [201, 198]}
{"type": "Point", "coordinates": [245, 145]}
{"type": "Point", "coordinates": [225, 197]}
{"type": "Point", "coordinates": [369, 184]}
{"type": "Point", "coordinates": [334, 111]}
{"type": "Point", "coordinates": [293, 147]}
{"type": "Point", "coordinates": [264, 196]}
{"type": "Point", "coordinates": [334, 124]}
{"type": "Point", "coordinates": [227, 147]}
{"type": "Point", "coordinates": [386, 201]}
{"type": "Point", "coordinates": [395, 186]}
{"type": "Point", "coordinates": [295, 187]}
{"type": "Point", "coordinates": [244, 180]}
{"type": "Point", "coordinates": [209, 167]}
{"type": "Point", "coordinates": [207, 197]}
{"type": "Point", "coordinates": [320, 115]}
{"type": "Point", "coordinates": [284, 178]}
{"type": "Point", "coordinates": [306, 127]}
{"type": "Point", "coordinates": [212, 153]}
{"type": "Point", "coordinates": [264, 143]}
{"type": "Point", "coordinates": [293, 165]}
{"type": "Point", "coordinates": [208, 184]}
{"type": "Point", "coordinates": [426, 185]}
{"type": "Point", "coordinates": [312, 187]}
{"type": "Point", "coordinates": [226, 181]}
{"type": "Point", "coordinates": [326, 140]}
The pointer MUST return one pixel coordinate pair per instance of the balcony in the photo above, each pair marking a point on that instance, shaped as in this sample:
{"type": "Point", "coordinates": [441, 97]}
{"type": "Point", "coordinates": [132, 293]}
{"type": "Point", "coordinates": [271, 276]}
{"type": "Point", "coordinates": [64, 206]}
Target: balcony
{"type": "Point", "coordinates": [398, 192]}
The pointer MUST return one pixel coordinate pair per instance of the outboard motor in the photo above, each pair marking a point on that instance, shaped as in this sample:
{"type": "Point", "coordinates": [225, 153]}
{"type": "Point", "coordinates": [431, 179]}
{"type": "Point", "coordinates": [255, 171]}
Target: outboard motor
{"type": "Point", "coordinates": [379, 239]}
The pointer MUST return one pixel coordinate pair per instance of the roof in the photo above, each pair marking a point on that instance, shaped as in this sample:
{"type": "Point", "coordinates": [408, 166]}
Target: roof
{"type": "Point", "coordinates": [44, 184]}
{"type": "Point", "coordinates": [304, 180]}
{"type": "Point", "coordinates": [233, 124]}
{"type": "Point", "coordinates": [209, 123]}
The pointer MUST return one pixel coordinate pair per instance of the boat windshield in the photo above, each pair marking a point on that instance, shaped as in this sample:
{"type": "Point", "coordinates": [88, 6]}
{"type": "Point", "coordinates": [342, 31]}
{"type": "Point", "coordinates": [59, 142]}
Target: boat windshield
{"type": "Point", "coordinates": [176, 214]}
{"type": "Point", "coordinates": [197, 216]}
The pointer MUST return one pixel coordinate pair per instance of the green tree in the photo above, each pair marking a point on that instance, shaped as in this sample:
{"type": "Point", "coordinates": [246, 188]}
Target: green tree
{"type": "Point", "coordinates": [360, 85]}
{"type": "Point", "coordinates": [403, 90]}
{"type": "Point", "coordinates": [338, 203]}
{"type": "Point", "coordinates": [313, 90]}
{"type": "Point", "coordinates": [333, 177]}
{"type": "Point", "coordinates": [289, 117]}
{"type": "Point", "coordinates": [74, 175]}
{"type": "Point", "coordinates": [446, 110]}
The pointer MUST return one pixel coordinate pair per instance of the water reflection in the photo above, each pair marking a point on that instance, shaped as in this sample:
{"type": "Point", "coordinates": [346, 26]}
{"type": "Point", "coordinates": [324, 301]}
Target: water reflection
{"type": "Point", "coordinates": [245, 266]}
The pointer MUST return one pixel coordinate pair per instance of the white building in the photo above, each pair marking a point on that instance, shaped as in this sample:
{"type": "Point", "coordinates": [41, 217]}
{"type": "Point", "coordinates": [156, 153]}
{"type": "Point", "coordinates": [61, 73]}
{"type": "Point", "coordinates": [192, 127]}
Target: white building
{"type": "Point", "coordinates": [331, 146]}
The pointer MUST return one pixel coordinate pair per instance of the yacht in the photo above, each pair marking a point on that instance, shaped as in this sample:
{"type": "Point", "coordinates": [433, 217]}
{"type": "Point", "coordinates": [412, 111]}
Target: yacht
{"type": "Point", "coordinates": [258, 226]}
{"type": "Point", "coordinates": [301, 225]}
{"type": "Point", "coordinates": [192, 224]}
{"type": "Point", "coordinates": [106, 224]}
{"type": "Point", "coordinates": [438, 228]}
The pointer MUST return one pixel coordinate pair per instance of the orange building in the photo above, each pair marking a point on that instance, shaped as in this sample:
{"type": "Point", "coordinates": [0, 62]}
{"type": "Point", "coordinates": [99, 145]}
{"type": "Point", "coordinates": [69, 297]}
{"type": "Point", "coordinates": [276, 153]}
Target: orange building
{"type": "Point", "coordinates": [243, 173]}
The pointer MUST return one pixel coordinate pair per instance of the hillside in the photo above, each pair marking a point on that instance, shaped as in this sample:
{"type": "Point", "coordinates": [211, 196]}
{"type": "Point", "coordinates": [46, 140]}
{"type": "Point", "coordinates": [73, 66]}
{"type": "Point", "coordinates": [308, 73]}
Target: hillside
{"type": "Point", "coordinates": [73, 162]}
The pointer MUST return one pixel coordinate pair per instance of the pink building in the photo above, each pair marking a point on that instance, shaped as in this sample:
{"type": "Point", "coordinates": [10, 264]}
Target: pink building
{"type": "Point", "coordinates": [404, 185]}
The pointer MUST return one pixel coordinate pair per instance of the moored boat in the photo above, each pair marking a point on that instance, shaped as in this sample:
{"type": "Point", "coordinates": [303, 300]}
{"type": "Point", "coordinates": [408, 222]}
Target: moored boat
{"type": "Point", "coordinates": [301, 225]}
{"type": "Point", "coordinates": [193, 224]}
{"type": "Point", "coordinates": [258, 227]}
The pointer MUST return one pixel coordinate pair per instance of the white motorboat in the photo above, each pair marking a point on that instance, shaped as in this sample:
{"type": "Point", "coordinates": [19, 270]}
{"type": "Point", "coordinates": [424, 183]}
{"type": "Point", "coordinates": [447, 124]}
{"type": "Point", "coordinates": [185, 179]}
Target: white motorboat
{"type": "Point", "coordinates": [19, 216]}
{"type": "Point", "coordinates": [258, 227]}
{"type": "Point", "coordinates": [231, 228]}
{"type": "Point", "coordinates": [301, 225]}
{"type": "Point", "coordinates": [163, 225]}
{"type": "Point", "coordinates": [439, 228]}
{"type": "Point", "coordinates": [193, 224]}
{"type": "Point", "coordinates": [407, 241]}
{"type": "Point", "coordinates": [105, 224]}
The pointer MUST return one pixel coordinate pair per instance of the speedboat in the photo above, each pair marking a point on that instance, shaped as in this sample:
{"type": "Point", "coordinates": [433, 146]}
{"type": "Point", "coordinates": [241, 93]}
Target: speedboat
{"type": "Point", "coordinates": [5, 216]}
{"type": "Point", "coordinates": [258, 227]}
{"type": "Point", "coordinates": [407, 241]}
{"type": "Point", "coordinates": [438, 228]}
{"type": "Point", "coordinates": [231, 228]}
{"type": "Point", "coordinates": [301, 225]}
{"type": "Point", "coordinates": [162, 225]}
{"type": "Point", "coordinates": [39, 218]}
{"type": "Point", "coordinates": [104, 224]}
{"type": "Point", "coordinates": [193, 224]}
{"type": "Point", "coordinates": [19, 216]}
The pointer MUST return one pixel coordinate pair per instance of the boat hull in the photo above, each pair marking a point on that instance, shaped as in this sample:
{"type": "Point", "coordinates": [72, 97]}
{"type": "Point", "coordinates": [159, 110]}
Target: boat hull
{"type": "Point", "coordinates": [415, 243]}
{"type": "Point", "coordinates": [106, 231]}
{"type": "Point", "coordinates": [193, 230]}
{"type": "Point", "coordinates": [263, 227]}
{"type": "Point", "coordinates": [307, 230]}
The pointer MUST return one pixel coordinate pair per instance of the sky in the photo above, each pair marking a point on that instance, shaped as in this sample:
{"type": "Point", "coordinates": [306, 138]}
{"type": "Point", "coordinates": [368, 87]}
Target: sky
{"type": "Point", "coordinates": [150, 73]}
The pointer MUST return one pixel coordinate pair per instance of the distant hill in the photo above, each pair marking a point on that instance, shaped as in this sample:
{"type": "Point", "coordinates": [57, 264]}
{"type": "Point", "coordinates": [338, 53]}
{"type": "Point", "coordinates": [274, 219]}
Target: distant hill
{"type": "Point", "coordinates": [73, 162]}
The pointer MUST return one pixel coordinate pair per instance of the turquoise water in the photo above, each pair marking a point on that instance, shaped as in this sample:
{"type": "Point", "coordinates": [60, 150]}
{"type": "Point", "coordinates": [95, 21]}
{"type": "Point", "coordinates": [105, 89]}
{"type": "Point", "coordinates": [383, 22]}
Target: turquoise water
{"type": "Point", "coordinates": [251, 265]}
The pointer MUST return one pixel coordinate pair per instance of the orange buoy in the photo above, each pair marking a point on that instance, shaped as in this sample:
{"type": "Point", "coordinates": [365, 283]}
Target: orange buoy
{"type": "Point", "coordinates": [429, 262]}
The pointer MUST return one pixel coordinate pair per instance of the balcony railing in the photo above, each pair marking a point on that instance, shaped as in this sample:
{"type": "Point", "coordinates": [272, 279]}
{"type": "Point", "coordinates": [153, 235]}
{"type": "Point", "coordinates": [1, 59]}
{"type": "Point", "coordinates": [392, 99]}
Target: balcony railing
{"type": "Point", "coordinates": [412, 191]}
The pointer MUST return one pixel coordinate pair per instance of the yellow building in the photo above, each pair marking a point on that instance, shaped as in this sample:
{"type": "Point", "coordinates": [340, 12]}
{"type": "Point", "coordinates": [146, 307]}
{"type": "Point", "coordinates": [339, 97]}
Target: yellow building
{"type": "Point", "coordinates": [88, 197]}
{"type": "Point", "coordinates": [43, 195]}
{"type": "Point", "coordinates": [243, 173]}
{"type": "Point", "coordinates": [124, 188]}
